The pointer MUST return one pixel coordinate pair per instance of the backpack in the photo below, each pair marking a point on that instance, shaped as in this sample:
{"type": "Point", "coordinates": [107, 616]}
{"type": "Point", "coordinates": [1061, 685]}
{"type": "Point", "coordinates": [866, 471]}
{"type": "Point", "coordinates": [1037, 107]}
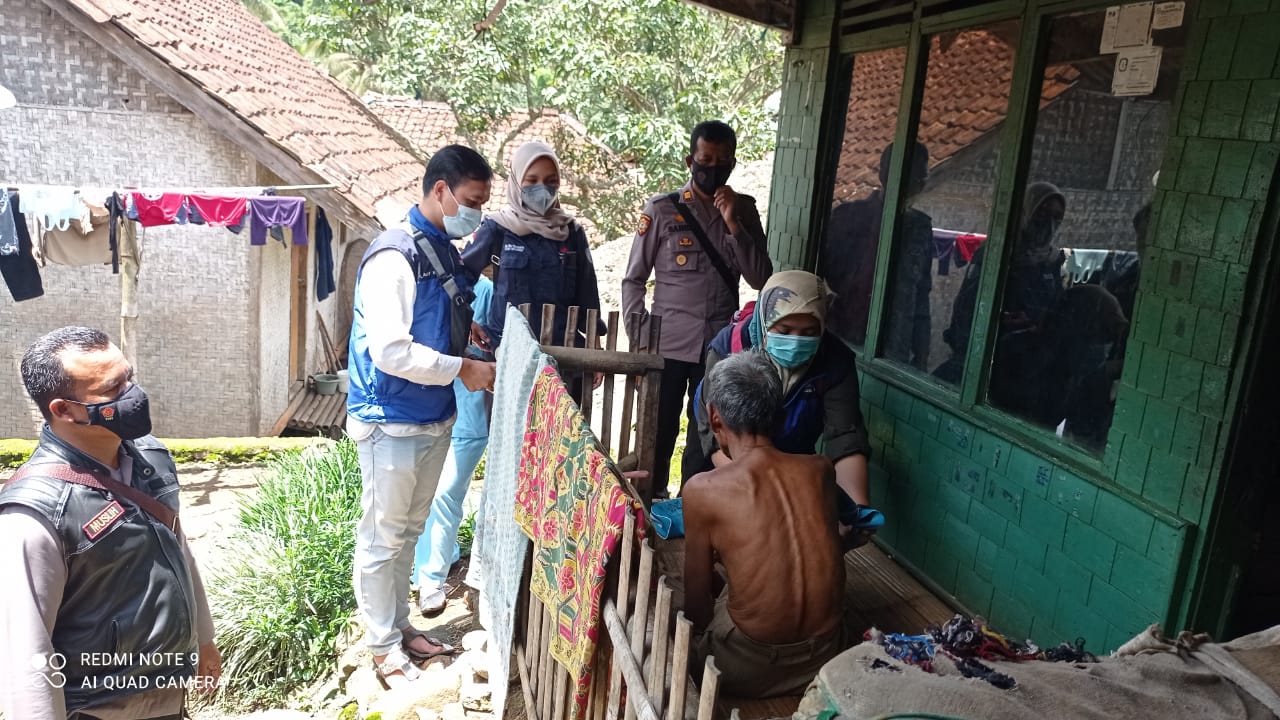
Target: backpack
{"type": "Point", "coordinates": [739, 323]}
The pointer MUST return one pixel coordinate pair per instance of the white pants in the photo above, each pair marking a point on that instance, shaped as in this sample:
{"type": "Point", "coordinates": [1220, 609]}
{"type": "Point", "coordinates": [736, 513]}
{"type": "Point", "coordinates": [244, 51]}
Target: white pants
{"type": "Point", "coordinates": [399, 477]}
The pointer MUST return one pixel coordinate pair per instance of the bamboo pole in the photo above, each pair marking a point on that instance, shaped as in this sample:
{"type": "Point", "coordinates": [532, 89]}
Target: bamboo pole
{"type": "Point", "coordinates": [637, 702]}
{"type": "Point", "coordinates": [661, 644]}
{"type": "Point", "coordinates": [680, 667]}
{"type": "Point", "coordinates": [710, 690]}
{"type": "Point", "coordinates": [639, 622]}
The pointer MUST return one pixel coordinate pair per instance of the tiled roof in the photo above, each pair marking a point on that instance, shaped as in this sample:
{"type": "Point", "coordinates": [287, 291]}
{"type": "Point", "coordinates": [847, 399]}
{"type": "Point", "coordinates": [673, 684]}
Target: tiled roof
{"type": "Point", "coordinates": [431, 125]}
{"type": "Point", "coordinates": [966, 97]}
{"type": "Point", "coordinates": [239, 61]}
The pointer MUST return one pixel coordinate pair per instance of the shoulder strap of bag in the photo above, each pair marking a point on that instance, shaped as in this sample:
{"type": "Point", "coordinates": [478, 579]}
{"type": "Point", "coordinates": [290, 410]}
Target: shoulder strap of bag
{"type": "Point", "coordinates": [447, 281]}
{"type": "Point", "coordinates": [712, 254]}
{"type": "Point", "coordinates": [68, 473]}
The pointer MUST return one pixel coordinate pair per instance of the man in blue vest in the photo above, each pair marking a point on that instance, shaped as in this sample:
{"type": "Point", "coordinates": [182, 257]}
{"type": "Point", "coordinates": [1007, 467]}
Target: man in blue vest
{"type": "Point", "coordinates": [412, 322]}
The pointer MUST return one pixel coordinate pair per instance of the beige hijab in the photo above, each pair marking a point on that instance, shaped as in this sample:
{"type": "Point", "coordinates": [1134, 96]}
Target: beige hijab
{"type": "Point", "coordinates": [556, 224]}
{"type": "Point", "coordinates": [790, 292]}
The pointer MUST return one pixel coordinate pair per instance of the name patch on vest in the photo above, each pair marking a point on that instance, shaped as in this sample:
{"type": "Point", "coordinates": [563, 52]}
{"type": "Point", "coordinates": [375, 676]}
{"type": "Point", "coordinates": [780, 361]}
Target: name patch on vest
{"type": "Point", "coordinates": [104, 520]}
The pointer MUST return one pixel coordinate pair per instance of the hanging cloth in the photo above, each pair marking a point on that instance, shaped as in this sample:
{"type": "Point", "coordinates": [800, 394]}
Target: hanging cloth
{"type": "Point", "coordinates": [8, 230]}
{"type": "Point", "coordinates": [155, 209]}
{"type": "Point", "coordinates": [265, 212]}
{"type": "Point", "coordinates": [19, 270]}
{"type": "Point", "coordinates": [219, 211]}
{"type": "Point", "coordinates": [81, 243]}
{"type": "Point", "coordinates": [324, 256]}
{"type": "Point", "coordinates": [53, 207]}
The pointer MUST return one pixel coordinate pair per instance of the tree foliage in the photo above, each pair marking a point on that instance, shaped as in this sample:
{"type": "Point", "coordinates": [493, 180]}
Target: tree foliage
{"type": "Point", "coordinates": [639, 74]}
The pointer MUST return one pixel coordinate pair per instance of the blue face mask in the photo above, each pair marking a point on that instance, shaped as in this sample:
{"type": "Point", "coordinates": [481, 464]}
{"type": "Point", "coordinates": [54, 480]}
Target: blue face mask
{"type": "Point", "coordinates": [791, 351]}
{"type": "Point", "coordinates": [538, 198]}
{"type": "Point", "coordinates": [465, 222]}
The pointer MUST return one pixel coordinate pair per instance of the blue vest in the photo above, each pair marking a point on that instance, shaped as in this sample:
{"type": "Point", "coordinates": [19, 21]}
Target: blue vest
{"type": "Point", "coordinates": [376, 396]}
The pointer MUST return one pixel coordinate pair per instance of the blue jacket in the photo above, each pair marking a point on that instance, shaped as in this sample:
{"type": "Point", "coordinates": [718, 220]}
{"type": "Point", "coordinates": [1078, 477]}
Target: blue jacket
{"type": "Point", "coordinates": [376, 396]}
{"type": "Point", "coordinates": [823, 405]}
{"type": "Point", "coordinates": [473, 407]}
{"type": "Point", "coordinates": [536, 270]}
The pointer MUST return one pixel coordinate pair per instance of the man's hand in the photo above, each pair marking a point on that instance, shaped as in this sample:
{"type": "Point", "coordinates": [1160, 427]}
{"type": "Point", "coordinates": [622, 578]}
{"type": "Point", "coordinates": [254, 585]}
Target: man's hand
{"type": "Point", "coordinates": [477, 375]}
{"type": "Point", "coordinates": [598, 381]}
{"type": "Point", "coordinates": [480, 338]}
{"type": "Point", "coordinates": [209, 669]}
{"type": "Point", "coordinates": [725, 201]}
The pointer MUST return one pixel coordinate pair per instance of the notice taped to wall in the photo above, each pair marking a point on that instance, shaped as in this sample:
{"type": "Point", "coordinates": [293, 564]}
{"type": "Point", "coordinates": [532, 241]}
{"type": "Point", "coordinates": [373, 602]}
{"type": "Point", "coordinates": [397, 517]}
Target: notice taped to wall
{"type": "Point", "coordinates": [1137, 71]}
{"type": "Point", "coordinates": [1168, 15]}
{"type": "Point", "coordinates": [1126, 26]}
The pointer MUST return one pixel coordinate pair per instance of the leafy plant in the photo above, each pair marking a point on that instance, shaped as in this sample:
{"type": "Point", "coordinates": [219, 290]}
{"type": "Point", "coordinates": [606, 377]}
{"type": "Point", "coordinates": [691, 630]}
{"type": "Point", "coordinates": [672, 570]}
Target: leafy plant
{"type": "Point", "coordinates": [467, 534]}
{"type": "Point", "coordinates": [282, 593]}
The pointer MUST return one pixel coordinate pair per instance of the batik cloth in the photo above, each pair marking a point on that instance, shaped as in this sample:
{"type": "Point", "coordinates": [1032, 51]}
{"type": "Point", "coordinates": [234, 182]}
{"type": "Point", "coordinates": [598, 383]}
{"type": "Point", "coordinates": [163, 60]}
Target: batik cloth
{"type": "Point", "coordinates": [571, 503]}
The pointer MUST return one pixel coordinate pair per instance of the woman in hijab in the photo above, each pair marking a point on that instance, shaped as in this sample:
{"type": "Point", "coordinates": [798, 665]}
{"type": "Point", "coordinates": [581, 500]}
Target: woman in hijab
{"type": "Point", "coordinates": [819, 379]}
{"type": "Point", "coordinates": [538, 252]}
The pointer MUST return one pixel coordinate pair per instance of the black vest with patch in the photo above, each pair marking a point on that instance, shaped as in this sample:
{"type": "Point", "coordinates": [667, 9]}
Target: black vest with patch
{"type": "Point", "coordinates": [129, 593]}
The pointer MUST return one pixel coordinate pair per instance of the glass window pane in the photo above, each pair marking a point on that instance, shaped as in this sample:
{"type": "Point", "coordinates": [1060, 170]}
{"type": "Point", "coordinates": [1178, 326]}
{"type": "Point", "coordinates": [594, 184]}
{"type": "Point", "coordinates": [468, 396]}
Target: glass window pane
{"type": "Point", "coordinates": [948, 190]}
{"type": "Point", "coordinates": [848, 255]}
{"type": "Point", "coordinates": [1072, 272]}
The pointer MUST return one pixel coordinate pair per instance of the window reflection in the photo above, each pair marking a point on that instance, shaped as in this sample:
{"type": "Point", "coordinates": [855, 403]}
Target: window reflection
{"type": "Point", "coordinates": [1072, 273]}
{"type": "Point", "coordinates": [847, 259]}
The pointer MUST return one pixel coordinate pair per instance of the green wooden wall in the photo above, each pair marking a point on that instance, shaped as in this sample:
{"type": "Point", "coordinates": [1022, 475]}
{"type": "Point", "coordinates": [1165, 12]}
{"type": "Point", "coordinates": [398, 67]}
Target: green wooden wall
{"type": "Point", "coordinates": [1054, 550]}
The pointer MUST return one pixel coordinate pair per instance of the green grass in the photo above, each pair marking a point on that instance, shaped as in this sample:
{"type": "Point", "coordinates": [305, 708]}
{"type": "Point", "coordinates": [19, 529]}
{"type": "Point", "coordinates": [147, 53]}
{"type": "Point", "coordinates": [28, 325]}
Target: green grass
{"type": "Point", "coordinates": [282, 592]}
{"type": "Point", "coordinates": [215, 451]}
{"type": "Point", "coordinates": [467, 534]}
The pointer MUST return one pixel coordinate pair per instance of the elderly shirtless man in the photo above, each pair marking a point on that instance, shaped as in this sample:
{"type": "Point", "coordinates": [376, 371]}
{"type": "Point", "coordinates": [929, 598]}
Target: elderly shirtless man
{"type": "Point", "coordinates": [769, 517]}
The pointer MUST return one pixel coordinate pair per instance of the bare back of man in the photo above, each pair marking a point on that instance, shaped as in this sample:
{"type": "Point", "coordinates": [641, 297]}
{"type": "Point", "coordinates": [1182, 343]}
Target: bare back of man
{"type": "Point", "coordinates": [770, 518]}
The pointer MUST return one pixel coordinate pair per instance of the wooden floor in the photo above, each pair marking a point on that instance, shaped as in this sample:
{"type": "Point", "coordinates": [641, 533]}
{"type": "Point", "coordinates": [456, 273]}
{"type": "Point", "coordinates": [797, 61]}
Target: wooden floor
{"type": "Point", "coordinates": [879, 593]}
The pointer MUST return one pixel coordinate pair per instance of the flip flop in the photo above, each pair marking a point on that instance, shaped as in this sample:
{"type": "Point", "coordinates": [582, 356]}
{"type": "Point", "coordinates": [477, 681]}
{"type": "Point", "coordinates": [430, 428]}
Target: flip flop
{"type": "Point", "coordinates": [395, 662]}
{"type": "Point", "coordinates": [411, 632]}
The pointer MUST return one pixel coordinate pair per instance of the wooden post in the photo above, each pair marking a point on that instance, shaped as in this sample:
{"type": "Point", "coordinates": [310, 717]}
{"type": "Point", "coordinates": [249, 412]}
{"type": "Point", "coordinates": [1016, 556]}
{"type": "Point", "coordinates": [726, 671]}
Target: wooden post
{"type": "Point", "coordinates": [588, 379]}
{"type": "Point", "coordinates": [647, 440]}
{"type": "Point", "coordinates": [637, 702]}
{"type": "Point", "coordinates": [658, 655]}
{"type": "Point", "coordinates": [612, 345]}
{"type": "Point", "coordinates": [128, 249]}
{"type": "Point", "coordinates": [639, 622]}
{"type": "Point", "coordinates": [710, 690]}
{"type": "Point", "coordinates": [680, 667]}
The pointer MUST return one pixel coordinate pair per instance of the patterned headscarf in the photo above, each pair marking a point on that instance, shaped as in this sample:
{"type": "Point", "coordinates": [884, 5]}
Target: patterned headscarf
{"type": "Point", "coordinates": [790, 292]}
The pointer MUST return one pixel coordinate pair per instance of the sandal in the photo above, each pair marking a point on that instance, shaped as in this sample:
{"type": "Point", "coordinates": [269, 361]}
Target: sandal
{"type": "Point", "coordinates": [395, 662]}
{"type": "Point", "coordinates": [409, 633]}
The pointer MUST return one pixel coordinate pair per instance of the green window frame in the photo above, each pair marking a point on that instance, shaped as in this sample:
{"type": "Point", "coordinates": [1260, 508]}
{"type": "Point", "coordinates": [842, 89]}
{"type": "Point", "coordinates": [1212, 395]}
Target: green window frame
{"type": "Point", "coordinates": [864, 26]}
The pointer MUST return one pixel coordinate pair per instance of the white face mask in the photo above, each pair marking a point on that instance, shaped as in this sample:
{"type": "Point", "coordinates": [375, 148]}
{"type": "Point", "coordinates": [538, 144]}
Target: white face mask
{"type": "Point", "coordinates": [464, 222]}
{"type": "Point", "coordinates": [538, 198]}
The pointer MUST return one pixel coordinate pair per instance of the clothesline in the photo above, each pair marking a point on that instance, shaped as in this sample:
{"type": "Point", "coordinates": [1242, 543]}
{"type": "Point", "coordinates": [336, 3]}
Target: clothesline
{"type": "Point", "coordinates": [19, 186]}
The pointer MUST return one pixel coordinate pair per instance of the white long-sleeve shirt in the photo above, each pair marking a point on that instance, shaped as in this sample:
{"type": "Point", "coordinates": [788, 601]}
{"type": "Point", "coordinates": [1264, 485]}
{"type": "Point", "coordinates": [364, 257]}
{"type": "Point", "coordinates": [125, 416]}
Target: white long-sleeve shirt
{"type": "Point", "coordinates": [386, 293]}
{"type": "Point", "coordinates": [32, 561]}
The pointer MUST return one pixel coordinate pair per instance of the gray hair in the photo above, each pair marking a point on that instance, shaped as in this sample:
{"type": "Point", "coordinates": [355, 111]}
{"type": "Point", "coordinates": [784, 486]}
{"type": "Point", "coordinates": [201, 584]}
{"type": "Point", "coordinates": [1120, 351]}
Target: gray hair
{"type": "Point", "coordinates": [746, 391]}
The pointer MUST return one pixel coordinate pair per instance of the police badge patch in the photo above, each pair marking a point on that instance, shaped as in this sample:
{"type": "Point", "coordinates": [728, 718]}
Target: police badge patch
{"type": "Point", "coordinates": [644, 224]}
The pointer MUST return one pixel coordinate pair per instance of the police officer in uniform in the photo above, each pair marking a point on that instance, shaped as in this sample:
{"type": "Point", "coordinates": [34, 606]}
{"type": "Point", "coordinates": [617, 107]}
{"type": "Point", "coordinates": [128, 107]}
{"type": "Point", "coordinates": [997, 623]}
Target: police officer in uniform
{"type": "Point", "coordinates": [698, 242]}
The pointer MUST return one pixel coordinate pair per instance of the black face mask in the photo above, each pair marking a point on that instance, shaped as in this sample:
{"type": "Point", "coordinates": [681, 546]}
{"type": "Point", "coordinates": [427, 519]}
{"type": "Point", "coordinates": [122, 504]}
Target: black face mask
{"type": "Point", "coordinates": [128, 416]}
{"type": "Point", "coordinates": [709, 178]}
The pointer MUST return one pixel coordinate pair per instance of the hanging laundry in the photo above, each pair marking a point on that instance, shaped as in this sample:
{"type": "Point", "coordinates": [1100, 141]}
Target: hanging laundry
{"type": "Point", "coordinates": [8, 231]}
{"type": "Point", "coordinates": [53, 207]}
{"type": "Point", "coordinates": [79, 244]}
{"type": "Point", "coordinates": [155, 209]}
{"type": "Point", "coordinates": [265, 212]}
{"type": "Point", "coordinates": [324, 256]}
{"type": "Point", "coordinates": [218, 211]}
{"type": "Point", "coordinates": [943, 247]}
{"type": "Point", "coordinates": [115, 206]}
{"type": "Point", "coordinates": [1082, 264]}
{"type": "Point", "coordinates": [19, 270]}
{"type": "Point", "coordinates": [571, 503]}
{"type": "Point", "coordinates": [967, 244]}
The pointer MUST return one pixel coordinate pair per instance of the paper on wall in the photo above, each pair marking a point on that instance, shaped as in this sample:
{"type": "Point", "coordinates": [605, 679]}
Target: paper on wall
{"type": "Point", "coordinates": [1126, 26]}
{"type": "Point", "coordinates": [1137, 70]}
{"type": "Point", "coordinates": [1168, 15]}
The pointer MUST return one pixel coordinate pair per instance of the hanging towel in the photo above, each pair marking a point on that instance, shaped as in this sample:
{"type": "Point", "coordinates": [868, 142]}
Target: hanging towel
{"type": "Point", "coordinates": [570, 501]}
{"type": "Point", "coordinates": [967, 244]}
{"type": "Point", "coordinates": [265, 212]}
{"type": "Point", "coordinates": [8, 230]}
{"type": "Point", "coordinates": [78, 244]}
{"type": "Point", "coordinates": [19, 270]}
{"type": "Point", "coordinates": [218, 211]}
{"type": "Point", "coordinates": [499, 547]}
{"type": "Point", "coordinates": [324, 256]}
{"type": "Point", "coordinates": [156, 209]}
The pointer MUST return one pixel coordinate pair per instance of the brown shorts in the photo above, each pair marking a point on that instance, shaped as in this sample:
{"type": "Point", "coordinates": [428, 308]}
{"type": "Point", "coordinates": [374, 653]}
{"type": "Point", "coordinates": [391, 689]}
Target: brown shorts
{"type": "Point", "coordinates": [754, 669]}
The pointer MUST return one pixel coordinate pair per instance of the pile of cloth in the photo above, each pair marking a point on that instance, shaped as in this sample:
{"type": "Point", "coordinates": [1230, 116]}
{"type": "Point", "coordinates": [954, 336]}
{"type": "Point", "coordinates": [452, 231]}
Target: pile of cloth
{"type": "Point", "coordinates": [938, 673]}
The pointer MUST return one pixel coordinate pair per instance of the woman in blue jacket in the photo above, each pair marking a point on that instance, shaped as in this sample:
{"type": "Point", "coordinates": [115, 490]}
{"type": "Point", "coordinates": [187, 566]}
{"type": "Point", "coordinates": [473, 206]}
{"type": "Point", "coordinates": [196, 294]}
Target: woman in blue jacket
{"type": "Point", "coordinates": [538, 252]}
{"type": "Point", "coordinates": [819, 379]}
